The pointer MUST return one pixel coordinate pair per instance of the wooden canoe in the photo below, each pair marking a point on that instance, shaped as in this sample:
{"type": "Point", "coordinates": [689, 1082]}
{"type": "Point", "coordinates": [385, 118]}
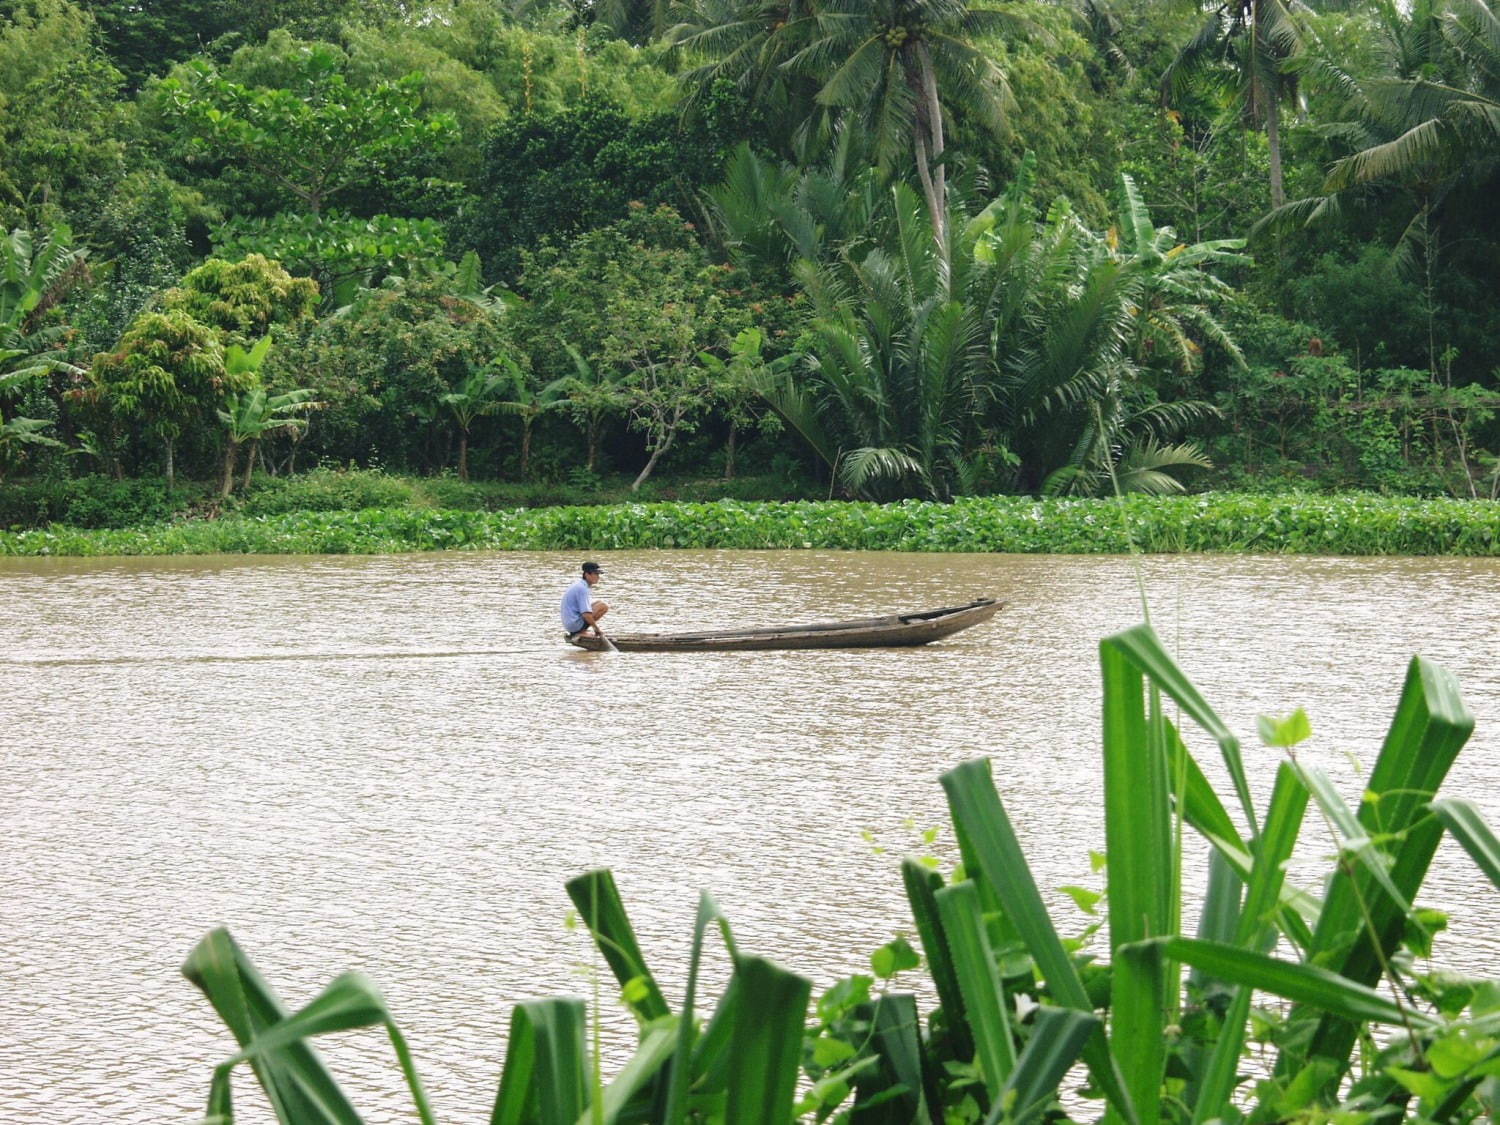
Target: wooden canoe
{"type": "Point", "coordinates": [896, 630]}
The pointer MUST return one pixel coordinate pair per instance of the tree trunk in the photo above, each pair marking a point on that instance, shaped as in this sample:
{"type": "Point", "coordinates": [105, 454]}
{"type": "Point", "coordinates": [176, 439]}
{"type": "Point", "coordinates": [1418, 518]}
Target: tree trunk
{"type": "Point", "coordinates": [595, 425]}
{"type": "Point", "coordinates": [463, 455]}
{"type": "Point", "coordinates": [226, 486]}
{"type": "Point", "coordinates": [938, 178]}
{"type": "Point", "coordinates": [729, 454]}
{"type": "Point", "coordinates": [250, 462]}
{"type": "Point", "coordinates": [171, 468]}
{"type": "Point", "coordinates": [526, 448]}
{"type": "Point", "coordinates": [1273, 145]}
{"type": "Point", "coordinates": [1272, 100]}
{"type": "Point", "coordinates": [646, 472]}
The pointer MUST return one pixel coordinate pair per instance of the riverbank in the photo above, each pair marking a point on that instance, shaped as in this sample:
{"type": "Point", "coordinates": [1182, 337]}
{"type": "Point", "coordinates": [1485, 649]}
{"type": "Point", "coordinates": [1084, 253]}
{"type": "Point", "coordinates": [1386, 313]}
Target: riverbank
{"type": "Point", "coordinates": [1210, 522]}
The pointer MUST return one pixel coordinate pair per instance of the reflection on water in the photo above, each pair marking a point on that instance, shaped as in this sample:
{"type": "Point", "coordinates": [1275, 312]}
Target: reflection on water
{"type": "Point", "coordinates": [392, 765]}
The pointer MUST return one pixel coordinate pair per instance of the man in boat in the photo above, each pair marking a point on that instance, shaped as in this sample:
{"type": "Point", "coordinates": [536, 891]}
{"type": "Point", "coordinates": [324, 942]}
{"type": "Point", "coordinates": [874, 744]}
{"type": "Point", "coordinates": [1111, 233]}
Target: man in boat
{"type": "Point", "coordinates": [580, 612]}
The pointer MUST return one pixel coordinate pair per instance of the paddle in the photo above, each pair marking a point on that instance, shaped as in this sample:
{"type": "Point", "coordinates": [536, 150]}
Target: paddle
{"type": "Point", "coordinates": [608, 643]}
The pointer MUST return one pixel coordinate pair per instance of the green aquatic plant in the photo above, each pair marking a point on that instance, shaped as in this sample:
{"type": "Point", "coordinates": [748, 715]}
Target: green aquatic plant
{"type": "Point", "coordinates": [1162, 1027]}
{"type": "Point", "coordinates": [359, 519]}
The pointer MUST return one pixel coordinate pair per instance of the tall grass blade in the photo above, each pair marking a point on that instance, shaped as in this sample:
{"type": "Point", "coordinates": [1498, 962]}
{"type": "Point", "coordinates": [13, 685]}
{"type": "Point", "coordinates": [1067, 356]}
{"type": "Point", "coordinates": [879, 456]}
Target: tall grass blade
{"type": "Point", "coordinates": [675, 1111]}
{"type": "Point", "coordinates": [1355, 841]}
{"type": "Point", "coordinates": [1202, 809]}
{"type": "Point", "coordinates": [979, 982]}
{"type": "Point", "coordinates": [598, 901]}
{"type": "Point", "coordinates": [1295, 981]}
{"type": "Point", "coordinates": [1431, 725]}
{"type": "Point", "coordinates": [1142, 649]}
{"type": "Point", "coordinates": [980, 817]}
{"type": "Point", "coordinates": [658, 1042]}
{"type": "Point", "coordinates": [922, 885]}
{"type": "Point", "coordinates": [1255, 930]}
{"type": "Point", "coordinates": [295, 1081]}
{"type": "Point", "coordinates": [1142, 887]}
{"type": "Point", "coordinates": [351, 1001]}
{"type": "Point", "coordinates": [545, 1078]}
{"type": "Point", "coordinates": [766, 1046]}
{"type": "Point", "coordinates": [1464, 824]}
{"type": "Point", "coordinates": [894, 1092]}
{"type": "Point", "coordinates": [1057, 1038]}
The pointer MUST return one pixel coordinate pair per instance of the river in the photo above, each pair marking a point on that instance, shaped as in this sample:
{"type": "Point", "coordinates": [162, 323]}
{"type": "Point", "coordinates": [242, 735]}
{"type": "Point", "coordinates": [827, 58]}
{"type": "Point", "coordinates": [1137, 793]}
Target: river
{"type": "Point", "coordinates": [392, 764]}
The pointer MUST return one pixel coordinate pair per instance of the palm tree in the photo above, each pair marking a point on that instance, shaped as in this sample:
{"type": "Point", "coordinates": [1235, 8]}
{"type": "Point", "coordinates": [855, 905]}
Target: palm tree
{"type": "Point", "coordinates": [891, 389]}
{"type": "Point", "coordinates": [1242, 51]}
{"type": "Point", "coordinates": [1093, 314]}
{"type": "Point", "coordinates": [1436, 132]}
{"type": "Point", "coordinates": [896, 63]}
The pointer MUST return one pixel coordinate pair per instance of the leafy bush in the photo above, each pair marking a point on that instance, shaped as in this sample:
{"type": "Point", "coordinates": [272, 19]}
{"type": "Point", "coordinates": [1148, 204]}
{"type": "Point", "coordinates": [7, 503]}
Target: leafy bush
{"type": "Point", "coordinates": [326, 490]}
{"type": "Point", "coordinates": [93, 502]}
{"type": "Point", "coordinates": [1168, 1027]}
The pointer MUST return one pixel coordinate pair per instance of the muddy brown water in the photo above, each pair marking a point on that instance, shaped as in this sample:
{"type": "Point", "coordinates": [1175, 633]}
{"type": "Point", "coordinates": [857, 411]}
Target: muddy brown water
{"type": "Point", "coordinates": [392, 764]}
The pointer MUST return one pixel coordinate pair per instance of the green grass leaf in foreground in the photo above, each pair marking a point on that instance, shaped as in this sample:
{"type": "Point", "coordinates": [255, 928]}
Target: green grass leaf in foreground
{"type": "Point", "coordinates": [1018, 1005]}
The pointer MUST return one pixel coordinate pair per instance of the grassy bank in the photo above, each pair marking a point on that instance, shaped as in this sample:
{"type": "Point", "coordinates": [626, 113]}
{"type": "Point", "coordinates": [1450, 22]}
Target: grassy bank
{"type": "Point", "coordinates": [1217, 522]}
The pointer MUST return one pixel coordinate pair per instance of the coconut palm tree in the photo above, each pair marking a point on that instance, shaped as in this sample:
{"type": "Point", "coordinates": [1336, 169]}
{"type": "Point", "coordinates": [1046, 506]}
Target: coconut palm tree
{"type": "Point", "coordinates": [896, 64]}
{"type": "Point", "coordinates": [747, 43]}
{"type": "Point", "coordinates": [1441, 119]}
{"type": "Point", "coordinates": [1241, 53]}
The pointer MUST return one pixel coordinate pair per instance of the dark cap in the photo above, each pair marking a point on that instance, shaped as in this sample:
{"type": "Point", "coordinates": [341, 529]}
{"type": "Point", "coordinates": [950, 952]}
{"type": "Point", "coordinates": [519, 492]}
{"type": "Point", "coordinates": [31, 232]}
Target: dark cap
{"type": "Point", "coordinates": [592, 568]}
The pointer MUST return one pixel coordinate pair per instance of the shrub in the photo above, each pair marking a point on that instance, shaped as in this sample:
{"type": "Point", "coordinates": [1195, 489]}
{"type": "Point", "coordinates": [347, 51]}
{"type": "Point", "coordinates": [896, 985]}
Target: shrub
{"type": "Point", "coordinates": [326, 490]}
{"type": "Point", "coordinates": [94, 502]}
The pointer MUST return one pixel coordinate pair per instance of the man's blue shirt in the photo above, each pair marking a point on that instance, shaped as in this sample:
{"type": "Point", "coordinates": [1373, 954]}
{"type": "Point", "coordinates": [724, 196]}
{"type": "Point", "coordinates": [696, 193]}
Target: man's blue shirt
{"type": "Point", "coordinates": [576, 602]}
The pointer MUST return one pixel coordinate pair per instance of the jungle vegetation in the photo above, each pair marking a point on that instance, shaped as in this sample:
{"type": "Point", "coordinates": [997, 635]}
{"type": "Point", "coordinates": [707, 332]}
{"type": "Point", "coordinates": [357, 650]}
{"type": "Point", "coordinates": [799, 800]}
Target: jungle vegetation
{"type": "Point", "coordinates": [870, 249]}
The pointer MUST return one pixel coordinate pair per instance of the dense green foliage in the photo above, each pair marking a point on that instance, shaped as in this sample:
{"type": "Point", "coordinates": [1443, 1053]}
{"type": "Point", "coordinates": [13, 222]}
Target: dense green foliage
{"type": "Point", "coordinates": [1033, 248]}
{"type": "Point", "coordinates": [1328, 995]}
{"type": "Point", "coordinates": [342, 517]}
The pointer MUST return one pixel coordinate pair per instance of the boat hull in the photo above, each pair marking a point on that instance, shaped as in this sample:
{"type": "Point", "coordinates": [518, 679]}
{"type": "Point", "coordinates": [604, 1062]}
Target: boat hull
{"type": "Point", "coordinates": [894, 631]}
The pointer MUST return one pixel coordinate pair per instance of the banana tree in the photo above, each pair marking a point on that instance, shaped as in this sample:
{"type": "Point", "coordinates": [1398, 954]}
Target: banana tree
{"type": "Point", "coordinates": [529, 402]}
{"type": "Point", "coordinates": [34, 275]}
{"type": "Point", "coordinates": [16, 434]}
{"type": "Point", "coordinates": [478, 395]}
{"type": "Point", "coordinates": [590, 397]}
{"type": "Point", "coordinates": [251, 416]}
